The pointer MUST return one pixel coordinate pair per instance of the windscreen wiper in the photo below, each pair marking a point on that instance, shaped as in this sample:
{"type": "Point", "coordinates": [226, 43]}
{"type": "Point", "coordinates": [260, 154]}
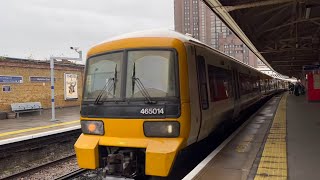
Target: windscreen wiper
{"type": "Point", "coordinates": [105, 87]}
{"type": "Point", "coordinates": [113, 86]}
{"type": "Point", "coordinates": [141, 87]}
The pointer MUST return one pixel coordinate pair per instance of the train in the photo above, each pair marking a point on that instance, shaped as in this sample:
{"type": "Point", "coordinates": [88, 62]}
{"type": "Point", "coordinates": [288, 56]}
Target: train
{"type": "Point", "coordinates": [149, 95]}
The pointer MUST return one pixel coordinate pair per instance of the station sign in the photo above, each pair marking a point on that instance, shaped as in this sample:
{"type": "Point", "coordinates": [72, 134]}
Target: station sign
{"type": "Point", "coordinates": [40, 79]}
{"type": "Point", "coordinates": [11, 79]}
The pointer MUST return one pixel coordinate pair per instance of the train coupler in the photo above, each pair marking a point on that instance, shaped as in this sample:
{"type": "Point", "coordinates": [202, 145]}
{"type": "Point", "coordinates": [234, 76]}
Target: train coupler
{"type": "Point", "coordinates": [124, 163]}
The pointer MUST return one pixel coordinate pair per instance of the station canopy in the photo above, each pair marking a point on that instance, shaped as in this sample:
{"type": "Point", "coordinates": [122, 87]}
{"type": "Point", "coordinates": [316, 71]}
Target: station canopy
{"type": "Point", "coordinates": [282, 33]}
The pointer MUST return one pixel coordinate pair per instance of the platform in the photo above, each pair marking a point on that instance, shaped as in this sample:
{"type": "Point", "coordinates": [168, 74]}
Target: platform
{"type": "Point", "coordinates": [280, 141]}
{"type": "Point", "coordinates": [35, 124]}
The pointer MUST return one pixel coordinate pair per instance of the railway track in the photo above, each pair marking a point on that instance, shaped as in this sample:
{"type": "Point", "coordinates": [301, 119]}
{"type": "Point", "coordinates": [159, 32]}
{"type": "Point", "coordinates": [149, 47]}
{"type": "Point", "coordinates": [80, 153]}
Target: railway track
{"type": "Point", "coordinates": [72, 174]}
{"type": "Point", "coordinates": [28, 155]}
{"type": "Point", "coordinates": [38, 168]}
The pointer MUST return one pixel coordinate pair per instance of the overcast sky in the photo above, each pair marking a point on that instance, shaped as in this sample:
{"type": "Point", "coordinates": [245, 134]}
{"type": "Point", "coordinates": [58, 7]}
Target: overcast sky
{"type": "Point", "coordinates": [40, 28]}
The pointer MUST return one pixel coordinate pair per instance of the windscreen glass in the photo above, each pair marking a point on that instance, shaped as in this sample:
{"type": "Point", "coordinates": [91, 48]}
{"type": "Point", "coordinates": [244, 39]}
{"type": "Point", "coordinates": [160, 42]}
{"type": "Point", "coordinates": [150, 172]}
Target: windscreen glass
{"type": "Point", "coordinates": [152, 72]}
{"type": "Point", "coordinates": [103, 77]}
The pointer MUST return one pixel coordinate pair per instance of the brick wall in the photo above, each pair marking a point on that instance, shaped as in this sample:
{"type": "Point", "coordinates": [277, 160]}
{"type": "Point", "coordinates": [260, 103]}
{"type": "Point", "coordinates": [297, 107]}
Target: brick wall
{"type": "Point", "coordinates": [37, 91]}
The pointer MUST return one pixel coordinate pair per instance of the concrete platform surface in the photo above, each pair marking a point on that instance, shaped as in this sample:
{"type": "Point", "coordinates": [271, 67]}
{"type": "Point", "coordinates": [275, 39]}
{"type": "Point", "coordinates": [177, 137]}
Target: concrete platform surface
{"type": "Point", "coordinates": [237, 160]}
{"type": "Point", "coordinates": [303, 120]}
{"type": "Point", "coordinates": [33, 122]}
{"type": "Point", "coordinates": [280, 142]}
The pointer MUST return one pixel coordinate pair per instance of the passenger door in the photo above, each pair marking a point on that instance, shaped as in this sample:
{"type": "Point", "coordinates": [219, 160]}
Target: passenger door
{"type": "Point", "coordinates": [236, 88]}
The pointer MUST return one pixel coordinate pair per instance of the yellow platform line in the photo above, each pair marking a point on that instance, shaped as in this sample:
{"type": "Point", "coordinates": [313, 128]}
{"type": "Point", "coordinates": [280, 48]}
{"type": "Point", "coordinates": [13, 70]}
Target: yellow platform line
{"type": "Point", "coordinates": [273, 163]}
{"type": "Point", "coordinates": [37, 128]}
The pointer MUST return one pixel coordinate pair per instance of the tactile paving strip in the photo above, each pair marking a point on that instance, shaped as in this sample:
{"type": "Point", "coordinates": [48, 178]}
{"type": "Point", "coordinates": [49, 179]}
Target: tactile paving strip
{"type": "Point", "coordinates": [38, 128]}
{"type": "Point", "coordinates": [273, 163]}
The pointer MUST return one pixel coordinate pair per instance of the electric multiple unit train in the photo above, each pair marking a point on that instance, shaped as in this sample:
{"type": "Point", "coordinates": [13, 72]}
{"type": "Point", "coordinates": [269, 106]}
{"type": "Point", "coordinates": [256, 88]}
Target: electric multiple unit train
{"type": "Point", "coordinates": [149, 95]}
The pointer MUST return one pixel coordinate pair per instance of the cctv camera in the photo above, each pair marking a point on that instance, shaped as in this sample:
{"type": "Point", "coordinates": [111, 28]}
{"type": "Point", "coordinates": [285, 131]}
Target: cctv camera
{"type": "Point", "coordinates": [71, 47]}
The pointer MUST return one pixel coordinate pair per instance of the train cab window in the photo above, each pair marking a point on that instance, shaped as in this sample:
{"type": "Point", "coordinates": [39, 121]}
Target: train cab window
{"type": "Point", "coordinates": [104, 75]}
{"type": "Point", "coordinates": [153, 71]}
{"type": "Point", "coordinates": [219, 83]}
{"type": "Point", "coordinates": [202, 80]}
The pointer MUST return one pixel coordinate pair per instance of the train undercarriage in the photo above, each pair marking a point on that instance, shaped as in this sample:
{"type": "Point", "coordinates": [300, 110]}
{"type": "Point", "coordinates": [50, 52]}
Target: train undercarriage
{"type": "Point", "coordinates": [122, 162]}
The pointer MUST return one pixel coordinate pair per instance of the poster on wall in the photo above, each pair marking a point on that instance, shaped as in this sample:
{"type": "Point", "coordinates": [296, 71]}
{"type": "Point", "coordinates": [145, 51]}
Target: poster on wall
{"type": "Point", "coordinates": [316, 81]}
{"type": "Point", "coordinates": [70, 86]}
{"type": "Point", "coordinates": [11, 79]}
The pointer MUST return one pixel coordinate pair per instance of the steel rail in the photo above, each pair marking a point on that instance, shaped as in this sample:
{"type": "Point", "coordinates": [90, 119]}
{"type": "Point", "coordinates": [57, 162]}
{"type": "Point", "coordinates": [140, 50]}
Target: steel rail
{"type": "Point", "coordinates": [72, 174]}
{"type": "Point", "coordinates": [20, 174]}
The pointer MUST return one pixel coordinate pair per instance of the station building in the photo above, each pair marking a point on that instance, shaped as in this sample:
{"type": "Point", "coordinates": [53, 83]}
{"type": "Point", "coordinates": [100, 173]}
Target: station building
{"type": "Point", "coordinates": [24, 80]}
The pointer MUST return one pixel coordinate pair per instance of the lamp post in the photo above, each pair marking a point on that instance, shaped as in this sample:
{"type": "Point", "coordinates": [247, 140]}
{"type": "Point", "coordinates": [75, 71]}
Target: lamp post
{"type": "Point", "coordinates": [52, 58]}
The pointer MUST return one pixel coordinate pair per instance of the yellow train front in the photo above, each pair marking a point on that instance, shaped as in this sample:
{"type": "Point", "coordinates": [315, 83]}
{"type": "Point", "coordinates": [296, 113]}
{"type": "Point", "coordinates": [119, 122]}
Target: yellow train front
{"type": "Point", "coordinates": [135, 113]}
{"type": "Point", "coordinates": [148, 95]}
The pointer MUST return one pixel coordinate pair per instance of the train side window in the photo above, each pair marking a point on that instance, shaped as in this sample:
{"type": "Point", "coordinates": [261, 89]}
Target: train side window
{"type": "Point", "coordinates": [219, 83]}
{"type": "Point", "coordinates": [202, 80]}
{"type": "Point", "coordinates": [246, 85]}
{"type": "Point", "coordinates": [266, 82]}
{"type": "Point", "coordinates": [255, 83]}
{"type": "Point", "coordinates": [259, 84]}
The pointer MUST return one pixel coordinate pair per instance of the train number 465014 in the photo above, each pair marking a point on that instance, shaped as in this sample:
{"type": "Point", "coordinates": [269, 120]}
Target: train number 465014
{"type": "Point", "coordinates": [152, 111]}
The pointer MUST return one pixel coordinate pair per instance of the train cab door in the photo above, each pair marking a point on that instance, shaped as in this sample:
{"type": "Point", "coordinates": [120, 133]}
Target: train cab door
{"type": "Point", "coordinates": [199, 98]}
{"type": "Point", "coordinates": [195, 111]}
{"type": "Point", "coordinates": [207, 122]}
{"type": "Point", "coordinates": [236, 90]}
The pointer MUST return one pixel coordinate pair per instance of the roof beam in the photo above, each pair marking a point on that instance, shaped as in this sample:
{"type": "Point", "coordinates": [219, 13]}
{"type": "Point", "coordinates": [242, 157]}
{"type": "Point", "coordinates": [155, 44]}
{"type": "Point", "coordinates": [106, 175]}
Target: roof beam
{"type": "Point", "coordinates": [292, 64]}
{"type": "Point", "coordinates": [314, 1]}
{"type": "Point", "coordinates": [255, 4]}
{"type": "Point", "coordinates": [272, 18]}
{"type": "Point", "coordinates": [297, 55]}
{"type": "Point", "coordinates": [280, 32]}
{"type": "Point", "coordinates": [286, 50]}
{"type": "Point", "coordinates": [287, 65]}
{"type": "Point", "coordinates": [274, 8]}
{"type": "Point", "coordinates": [289, 61]}
{"type": "Point", "coordinates": [315, 22]}
{"type": "Point", "coordinates": [305, 43]}
{"type": "Point", "coordinates": [300, 38]}
{"type": "Point", "coordinates": [290, 23]}
{"type": "Point", "coordinates": [221, 12]}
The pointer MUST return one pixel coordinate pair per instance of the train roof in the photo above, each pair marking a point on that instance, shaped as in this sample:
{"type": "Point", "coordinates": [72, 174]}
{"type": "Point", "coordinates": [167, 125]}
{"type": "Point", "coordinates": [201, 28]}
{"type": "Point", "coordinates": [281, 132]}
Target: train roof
{"type": "Point", "coordinates": [153, 33]}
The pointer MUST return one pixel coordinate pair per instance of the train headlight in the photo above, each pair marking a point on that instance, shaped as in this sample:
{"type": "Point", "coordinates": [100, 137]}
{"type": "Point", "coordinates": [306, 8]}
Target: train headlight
{"type": "Point", "coordinates": [92, 127]}
{"type": "Point", "coordinates": [161, 129]}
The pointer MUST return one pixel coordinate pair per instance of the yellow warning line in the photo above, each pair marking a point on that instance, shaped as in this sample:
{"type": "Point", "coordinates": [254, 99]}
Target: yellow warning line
{"type": "Point", "coordinates": [273, 163]}
{"type": "Point", "coordinates": [36, 128]}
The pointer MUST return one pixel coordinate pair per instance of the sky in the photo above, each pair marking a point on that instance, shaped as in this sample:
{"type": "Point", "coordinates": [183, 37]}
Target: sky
{"type": "Point", "coordinates": [38, 29]}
